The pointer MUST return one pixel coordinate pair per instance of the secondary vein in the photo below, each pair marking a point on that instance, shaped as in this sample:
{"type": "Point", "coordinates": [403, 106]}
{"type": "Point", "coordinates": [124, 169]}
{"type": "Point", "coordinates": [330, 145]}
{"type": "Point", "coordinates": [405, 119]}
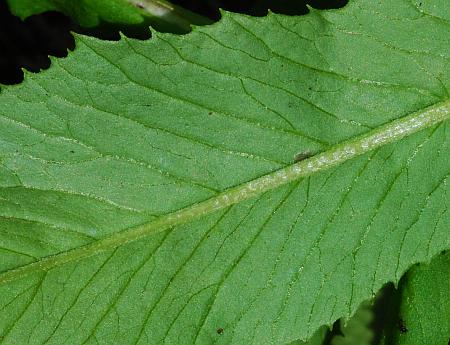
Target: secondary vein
{"type": "Point", "coordinates": [336, 155]}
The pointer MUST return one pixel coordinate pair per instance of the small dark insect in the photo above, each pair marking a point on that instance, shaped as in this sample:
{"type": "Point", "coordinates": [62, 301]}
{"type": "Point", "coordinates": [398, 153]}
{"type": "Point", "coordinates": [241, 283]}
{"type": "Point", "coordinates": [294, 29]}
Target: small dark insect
{"type": "Point", "coordinates": [302, 156]}
{"type": "Point", "coordinates": [219, 331]}
{"type": "Point", "coordinates": [210, 113]}
{"type": "Point", "coordinates": [401, 326]}
{"type": "Point", "coordinates": [72, 151]}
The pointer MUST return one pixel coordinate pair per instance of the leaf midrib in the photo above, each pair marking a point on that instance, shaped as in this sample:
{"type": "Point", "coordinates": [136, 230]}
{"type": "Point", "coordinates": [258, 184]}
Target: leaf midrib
{"type": "Point", "coordinates": [337, 154]}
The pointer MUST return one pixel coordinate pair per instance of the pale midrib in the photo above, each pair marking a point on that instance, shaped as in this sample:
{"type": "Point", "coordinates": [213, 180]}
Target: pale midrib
{"type": "Point", "coordinates": [338, 154]}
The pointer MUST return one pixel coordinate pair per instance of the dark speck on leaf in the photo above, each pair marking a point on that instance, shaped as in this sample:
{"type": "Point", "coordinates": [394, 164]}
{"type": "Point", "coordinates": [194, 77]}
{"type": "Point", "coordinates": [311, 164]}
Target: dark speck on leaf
{"type": "Point", "coordinates": [72, 151]}
{"type": "Point", "coordinates": [401, 326]}
{"type": "Point", "coordinates": [302, 155]}
{"type": "Point", "coordinates": [210, 113]}
{"type": "Point", "coordinates": [219, 331]}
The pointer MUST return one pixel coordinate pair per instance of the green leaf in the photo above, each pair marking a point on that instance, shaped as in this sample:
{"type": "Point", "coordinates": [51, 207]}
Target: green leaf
{"type": "Point", "coordinates": [317, 338]}
{"type": "Point", "coordinates": [425, 308]}
{"type": "Point", "coordinates": [161, 14]}
{"type": "Point", "coordinates": [148, 192]}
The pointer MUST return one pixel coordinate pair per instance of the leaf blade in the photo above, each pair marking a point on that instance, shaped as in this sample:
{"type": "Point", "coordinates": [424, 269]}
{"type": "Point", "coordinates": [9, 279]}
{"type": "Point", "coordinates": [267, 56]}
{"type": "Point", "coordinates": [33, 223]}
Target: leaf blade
{"type": "Point", "coordinates": [338, 154]}
{"type": "Point", "coordinates": [261, 270]}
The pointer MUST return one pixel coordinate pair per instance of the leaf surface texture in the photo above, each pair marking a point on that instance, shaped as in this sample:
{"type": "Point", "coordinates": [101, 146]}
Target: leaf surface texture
{"type": "Point", "coordinates": [123, 134]}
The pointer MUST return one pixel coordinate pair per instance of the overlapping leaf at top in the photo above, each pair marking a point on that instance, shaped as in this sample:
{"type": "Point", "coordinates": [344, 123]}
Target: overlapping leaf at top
{"type": "Point", "coordinates": [161, 14]}
{"type": "Point", "coordinates": [120, 133]}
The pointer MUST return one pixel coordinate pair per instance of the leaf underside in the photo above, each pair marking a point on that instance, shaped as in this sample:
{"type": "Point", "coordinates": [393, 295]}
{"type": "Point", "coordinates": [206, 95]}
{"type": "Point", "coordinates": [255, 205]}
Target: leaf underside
{"type": "Point", "coordinates": [124, 133]}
